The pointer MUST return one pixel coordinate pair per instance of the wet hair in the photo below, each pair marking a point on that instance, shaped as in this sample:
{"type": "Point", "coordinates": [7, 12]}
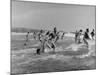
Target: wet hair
{"type": "Point", "coordinates": [93, 29]}
{"type": "Point", "coordinates": [80, 30]}
{"type": "Point", "coordinates": [41, 31]}
{"type": "Point", "coordinates": [38, 51]}
{"type": "Point", "coordinates": [55, 29]}
{"type": "Point", "coordinates": [47, 33]}
{"type": "Point", "coordinates": [87, 30]}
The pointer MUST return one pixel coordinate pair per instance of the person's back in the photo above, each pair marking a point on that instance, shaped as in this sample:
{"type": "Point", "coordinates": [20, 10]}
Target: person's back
{"type": "Point", "coordinates": [79, 37]}
{"type": "Point", "coordinates": [47, 33]}
{"type": "Point", "coordinates": [86, 34]}
{"type": "Point", "coordinates": [27, 35]}
{"type": "Point", "coordinates": [51, 35]}
{"type": "Point", "coordinates": [86, 37]}
{"type": "Point", "coordinates": [62, 35]}
{"type": "Point", "coordinates": [55, 30]}
{"type": "Point", "coordinates": [92, 34]}
{"type": "Point", "coordinates": [34, 35]}
{"type": "Point", "coordinates": [76, 35]}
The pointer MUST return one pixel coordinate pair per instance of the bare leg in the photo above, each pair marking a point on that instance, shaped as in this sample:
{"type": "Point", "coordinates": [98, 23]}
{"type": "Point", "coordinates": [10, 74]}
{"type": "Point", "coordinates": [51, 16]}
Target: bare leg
{"type": "Point", "coordinates": [75, 40]}
{"type": "Point", "coordinates": [53, 46]}
{"type": "Point", "coordinates": [38, 51]}
{"type": "Point", "coordinates": [85, 42]}
{"type": "Point", "coordinates": [42, 46]}
{"type": "Point", "coordinates": [26, 41]}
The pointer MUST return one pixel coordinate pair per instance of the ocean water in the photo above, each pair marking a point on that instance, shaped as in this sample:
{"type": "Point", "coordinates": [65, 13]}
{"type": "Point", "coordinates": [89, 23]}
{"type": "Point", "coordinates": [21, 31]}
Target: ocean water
{"type": "Point", "coordinates": [68, 56]}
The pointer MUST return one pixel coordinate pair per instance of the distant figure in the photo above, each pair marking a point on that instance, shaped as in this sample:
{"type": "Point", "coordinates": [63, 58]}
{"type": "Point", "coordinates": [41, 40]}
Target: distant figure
{"type": "Point", "coordinates": [27, 35]}
{"type": "Point", "coordinates": [41, 31]}
{"type": "Point", "coordinates": [79, 39]}
{"type": "Point", "coordinates": [92, 34]}
{"type": "Point", "coordinates": [63, 35]}
{"type": "Point", "coordinates": [56, 37]}
{"type": "Point", "coordinates": [38, 51]}
{"type": "Point", "coordinates": [34, 35]}
{"type": "Point", "coordinates": [40, 35]}
{"type": "Point", "coordinates": [76, 35]}
{"type": "Point", "coordinates": [55, 30]}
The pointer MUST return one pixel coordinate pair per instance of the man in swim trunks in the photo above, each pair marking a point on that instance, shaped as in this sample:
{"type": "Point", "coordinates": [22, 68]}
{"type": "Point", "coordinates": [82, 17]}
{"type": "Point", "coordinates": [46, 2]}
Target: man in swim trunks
{"type": "Point", "coordinates": [92, 34]}
{"type": "Point", "coordinates": [86, 37]}
{"type": "Point", "coordinates": [27, 35]}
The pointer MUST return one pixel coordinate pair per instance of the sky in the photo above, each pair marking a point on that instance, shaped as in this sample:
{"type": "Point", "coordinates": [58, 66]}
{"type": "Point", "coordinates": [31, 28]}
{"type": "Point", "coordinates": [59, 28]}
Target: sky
{"type": "Point", "coordinates": [65, 17]}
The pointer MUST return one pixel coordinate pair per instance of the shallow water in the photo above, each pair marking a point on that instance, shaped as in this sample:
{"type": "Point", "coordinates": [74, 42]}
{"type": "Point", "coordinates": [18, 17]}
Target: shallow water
{"type": "Point", "coordinates": [68, 56]}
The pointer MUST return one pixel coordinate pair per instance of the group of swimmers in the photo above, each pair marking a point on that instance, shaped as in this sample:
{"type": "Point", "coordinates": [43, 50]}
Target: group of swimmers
{"type": "Point", "coordinates": [46, 39]}
{"type": "Point", "coordinates": [82, 37]}
{"type": "Point", "coordinates": [49, 38]}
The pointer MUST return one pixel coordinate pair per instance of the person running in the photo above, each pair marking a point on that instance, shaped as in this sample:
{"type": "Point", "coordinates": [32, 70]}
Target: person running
{"type": "Point", "coordinates": [79, 39]}
{"type": "Point", "coordinates": [27, 35]}
{"type": "Point", "coordinates": [53, 46]}
{"type": "Point", "coordinates": [51, 36]}
{"type": "Point", "coordinates": [47, 33]}
{"type": "Point", "coordinates": [55, 30]}
{"type": "Point", "coordinates": [92, 34]}
{"type": "Point", "coordinates": [43, 41]}
{"type": "Point", "coordinates": [38, 51]}
{"type": "Point", "coordinates": [50, 43]}
{"type": "Point", "coordinates": [40, 35]}
{"type": "Point", "coordinates": [86, 37]}
{"type": "Point", "coordinates": [76, 35]}
{"type": "Point", "coordinates": [86, 34]}
{"type": "Point", "coordinates": [56, 37]}
{"type": "Point", "coordinates": [41, 49]}
{"type": "Point", "coordinates": [62, 35]}
{"type": "Point", "coordinates": [34, 35]}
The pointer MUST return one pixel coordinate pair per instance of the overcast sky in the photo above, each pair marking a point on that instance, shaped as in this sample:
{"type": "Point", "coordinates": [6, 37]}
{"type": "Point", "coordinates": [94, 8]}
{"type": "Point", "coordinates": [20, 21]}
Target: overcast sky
{"type": "Point", "coordinates": [47, 15]}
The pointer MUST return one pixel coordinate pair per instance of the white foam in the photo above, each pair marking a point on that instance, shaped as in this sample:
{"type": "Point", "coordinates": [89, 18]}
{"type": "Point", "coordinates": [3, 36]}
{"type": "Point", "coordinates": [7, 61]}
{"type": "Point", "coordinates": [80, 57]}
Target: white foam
{"type": "Point", "coordinates": [14, 33]}
{"type": "Point", "coordinates": [69, 35]}
{"type": "Point", "coordinates": [91, 51]}
{"type": "Point", "coordinates": [74, 47]}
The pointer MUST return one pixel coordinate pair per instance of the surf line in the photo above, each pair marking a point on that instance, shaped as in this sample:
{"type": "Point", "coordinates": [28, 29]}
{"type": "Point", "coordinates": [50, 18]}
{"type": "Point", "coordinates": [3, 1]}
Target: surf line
{"type": "Point", "coordinates": [75, 47]}
{"type": "Point", "coordinates": [90, 52]}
